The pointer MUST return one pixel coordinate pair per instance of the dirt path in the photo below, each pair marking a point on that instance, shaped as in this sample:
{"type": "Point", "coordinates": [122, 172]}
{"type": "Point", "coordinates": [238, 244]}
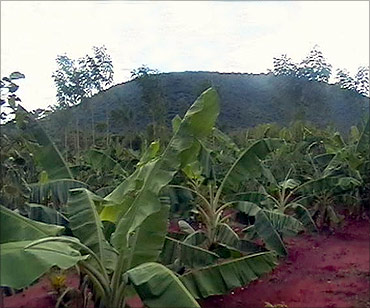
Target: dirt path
{"type": "Point", "coordinates": [320, 271]}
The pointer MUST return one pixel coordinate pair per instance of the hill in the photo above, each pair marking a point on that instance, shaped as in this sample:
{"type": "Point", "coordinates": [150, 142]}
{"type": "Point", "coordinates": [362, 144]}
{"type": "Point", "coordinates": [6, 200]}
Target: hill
{"type": "Point", "coordinates": [246, 100]}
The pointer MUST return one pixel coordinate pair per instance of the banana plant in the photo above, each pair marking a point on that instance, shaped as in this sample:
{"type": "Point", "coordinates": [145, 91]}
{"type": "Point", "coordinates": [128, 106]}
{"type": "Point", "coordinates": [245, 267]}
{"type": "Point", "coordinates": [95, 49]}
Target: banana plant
{"type": "Point", "coordinates": [128, 256]}
{"type": "Point", "coordinates": [213, 260]}
{"type": "Point", "coordinates": [211, 203]}
{"type": "Point", "coordinates": [56, 177]}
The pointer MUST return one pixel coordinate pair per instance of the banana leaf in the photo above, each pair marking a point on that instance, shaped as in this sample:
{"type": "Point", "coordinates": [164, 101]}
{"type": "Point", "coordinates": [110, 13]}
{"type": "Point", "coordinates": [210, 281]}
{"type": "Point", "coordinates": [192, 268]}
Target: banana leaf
{"type": "Point", "coordinates": [101, 161]}
{"type": "Point", "coordinates": [147, 244]}
{"type": "Point", "coordinates": [268, 233]}
{"type": "Point", "coordinates": [363, 143]}
{"type": "Point", "coordinates": [151, 153]}
{"type": "Point", "coordinates": [15, 227]}
{"type": "Point", "coordinates": [304, 216]}
{"type": "Point", "coordinates": [284, 224]}
{"type": "Point", "coordinates": [45, 152]}
{"type": "Point", "coordinates": [197, 238]}
{"type": "Point", "coordinates": [248, 165]}
{"type": "Point", "coordinates": [21, 266]}
{"type": "Point", "coordinates": [147, 181]}
{"type": "Point", "coordinates": [45, 214]}
{"type": "Point", "coordinates": [247, 208]}
{"type": "Point", "coordinates": [56, 190]}
{"type": "Point", "coordinates": [221, 278]}
{"type": "Point", "coordinates": [158, 286]}
{"type": "Point", "coordinates": [188, 255]}
{"type": "Point", "coordinates": [226, 235]}
{"type": "Point", "coordinates": [86, 225]}
{"type": "Point", "coordinates": [225, 140]}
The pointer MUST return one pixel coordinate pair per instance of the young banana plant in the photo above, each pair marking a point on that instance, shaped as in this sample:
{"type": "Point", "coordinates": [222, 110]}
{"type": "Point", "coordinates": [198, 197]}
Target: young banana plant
{"type": "Point", "coordinates": [128, 257]}
{"type": "Point", "coordinates": [215, 260]}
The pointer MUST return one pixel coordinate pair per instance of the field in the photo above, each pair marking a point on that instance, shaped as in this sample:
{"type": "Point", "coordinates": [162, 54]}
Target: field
{"type": "Point", "coordinates": [269, 216]}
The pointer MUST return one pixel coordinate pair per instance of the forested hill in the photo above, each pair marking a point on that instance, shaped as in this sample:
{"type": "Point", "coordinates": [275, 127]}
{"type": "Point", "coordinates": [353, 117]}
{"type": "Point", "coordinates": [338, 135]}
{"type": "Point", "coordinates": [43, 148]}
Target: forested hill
{"type": "Point", "coordinates": [246, 100]}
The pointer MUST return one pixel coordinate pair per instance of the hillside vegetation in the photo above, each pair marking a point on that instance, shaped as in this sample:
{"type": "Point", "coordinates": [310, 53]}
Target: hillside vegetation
{"type": "Point", "coordinates": [247, 100]}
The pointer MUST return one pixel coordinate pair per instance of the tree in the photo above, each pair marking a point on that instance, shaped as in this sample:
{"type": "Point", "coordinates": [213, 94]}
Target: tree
{"type": "Point", "coordinates": [315, 66]}
{"type": "Point", "coordinates": [154, 99]}
{"type": "Point", "coordinates": [125, 116]}
{"type": "Point", "coordinates": [8, 97]}
{"type": "Point", "coordinates": [284, 66]}
{"type": "Point", "coordinates": [344, 80]}
{"type": "Point", "coordinates": [362, 80]}
{"type": "Point", "coordinates": [81, 78]}
{"type": "Point", "coordinates": [143, 71]}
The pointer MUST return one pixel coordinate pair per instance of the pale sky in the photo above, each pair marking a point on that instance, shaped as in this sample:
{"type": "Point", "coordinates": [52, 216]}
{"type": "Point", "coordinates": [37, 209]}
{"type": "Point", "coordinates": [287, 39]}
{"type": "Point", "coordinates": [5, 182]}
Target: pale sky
{"type": "Point", "coordinates": [240, 36]}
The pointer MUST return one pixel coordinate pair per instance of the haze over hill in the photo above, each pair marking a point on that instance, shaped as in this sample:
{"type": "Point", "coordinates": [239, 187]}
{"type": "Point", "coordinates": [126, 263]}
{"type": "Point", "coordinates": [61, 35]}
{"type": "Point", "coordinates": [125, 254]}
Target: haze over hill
{"type": "Point", "coordinates": [246, 100]}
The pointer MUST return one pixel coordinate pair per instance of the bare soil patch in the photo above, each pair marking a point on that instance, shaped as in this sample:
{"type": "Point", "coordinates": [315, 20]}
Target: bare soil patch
{"type": "Point", "coordinates": [325, 270]}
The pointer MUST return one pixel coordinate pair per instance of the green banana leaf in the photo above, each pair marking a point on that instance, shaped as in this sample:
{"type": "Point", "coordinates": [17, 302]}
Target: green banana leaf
{"type": "Point", "coordinates": [248, 165]}
{"type": "Point", "coordinates": [252, 196]}
{"type": "Point", "coordinates": [198, 238]}
{"type": "Point", "coordinates": [185, 227]}
{"type": "Point", "coordinates": [45, 214]}
{"type": "Point", "coordinates": [284, 224]}
{"type": "Point", "coordinates": [304, 216]}
{"type": "Point", "coordinates": [176, 121]}
{"type": "Point", "coordinates": [327, 183]}
{"type": "Point", "coordinates": [147, 181]}
{"type": "Point", "coordinates": [15, 227]}
{"type": "Point", "coordinates": [57, 190]}
{"type": "Point", "coordinates": [225, 140]}
{"type": "Point", "coordinates": [188, 255]}
{"type": "Point", "coordinates": [86, 225]}
{"type": "Point", "coordinates": [101, 161]}
{"type": "Point", "coordinates": [248, 208]}
{"type": "Point", "coordinates": [148, 242]}
{"type": "Point", "coordinates": [159, 287]}
{"type": "Point", "coordinates": [151, 152]}
{"type": "Point", "coordinates": [45, 152]}
{"type": "Point", "coordinates": [226, 235]}
{"type": "Point", "coordinates": [363, 143]}
{"type": "Point", "coordinates": [21, 266]}
{"type": "Point", "coordinates": [269, 224]}
{"type": "Point", "coordinates": [221, 278]}
{"type": "Point", "coordinates": [268, 233]}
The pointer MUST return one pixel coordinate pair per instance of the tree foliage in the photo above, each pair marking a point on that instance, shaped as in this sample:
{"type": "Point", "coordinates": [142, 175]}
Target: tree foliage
{"type": "Point", "coordinates": [284, 65]}
{"type": "Point", "coordinates": [362, 80]}
{"type": "Point", "coordinates": [344, 80]}
{"type": "Point", "coordinates": [82, 77]}
{"type": "Point", "coordinates": [314, 66]}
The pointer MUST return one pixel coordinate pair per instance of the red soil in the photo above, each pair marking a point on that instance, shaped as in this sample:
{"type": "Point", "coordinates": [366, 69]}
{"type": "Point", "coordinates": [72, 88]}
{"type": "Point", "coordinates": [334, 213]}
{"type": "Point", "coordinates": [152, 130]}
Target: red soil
{"type": "Point", "coordinates": [320, 271]}
{"type": "Point", "coordinates": [41, 295]}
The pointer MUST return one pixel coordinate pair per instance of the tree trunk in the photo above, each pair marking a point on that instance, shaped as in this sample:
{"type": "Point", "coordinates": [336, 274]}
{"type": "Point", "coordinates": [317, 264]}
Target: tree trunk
{"type": "Point", "coordinates": [92, 125]}
{"type": "Point", "coordinates": [107, 127]}
{"type": "Point", "coordinates": [66, 142]}
{"type": "Point", "coordinates": [77, 138]}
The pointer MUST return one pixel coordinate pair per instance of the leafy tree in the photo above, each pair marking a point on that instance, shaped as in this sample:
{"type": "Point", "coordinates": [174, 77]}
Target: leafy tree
{"type": "Point", "coordinates": [125, 116]}
{"type": "Point", "coordinates": [154, 99]}
{"type": "Point", "coordinates": [362, 80]}
{"type": "Point", "coordinates": [344, 80]}
{"type": "Point", "coordinates": [284, 65]}
{"type": "Point", "coordinates": [8, 89]}
{"type": "Point", "coordinates": [315, 66]}
{"type": "Point", "coordinates": [80, 78]}
{"type": "Point", "coordinates": [143, 71]}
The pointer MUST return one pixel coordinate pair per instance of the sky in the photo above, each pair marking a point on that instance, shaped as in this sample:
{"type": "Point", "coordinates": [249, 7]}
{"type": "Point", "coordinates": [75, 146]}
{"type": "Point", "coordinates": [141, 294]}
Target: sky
{"type": "Point", "coordinates": [172, 36]}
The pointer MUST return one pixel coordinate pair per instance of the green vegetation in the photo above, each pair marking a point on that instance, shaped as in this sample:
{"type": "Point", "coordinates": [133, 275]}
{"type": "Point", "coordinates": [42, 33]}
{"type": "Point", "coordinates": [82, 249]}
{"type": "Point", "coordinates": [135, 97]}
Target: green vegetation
{"type": "Point", "coordinates": [102, 203]}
